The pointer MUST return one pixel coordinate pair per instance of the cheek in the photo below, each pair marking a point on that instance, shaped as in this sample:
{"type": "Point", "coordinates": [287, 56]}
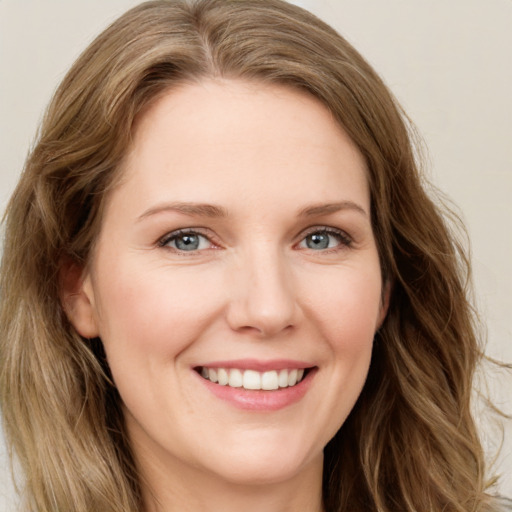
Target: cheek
{"type": "Point", "coordinates": [347, 306]}
{"type": "Point", "coordinates": [155, 316]}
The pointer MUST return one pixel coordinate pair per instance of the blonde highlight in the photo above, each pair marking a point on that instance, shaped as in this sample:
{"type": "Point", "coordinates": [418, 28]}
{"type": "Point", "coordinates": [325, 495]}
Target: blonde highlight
{"type": "Point", "coordinates": [409, 444]}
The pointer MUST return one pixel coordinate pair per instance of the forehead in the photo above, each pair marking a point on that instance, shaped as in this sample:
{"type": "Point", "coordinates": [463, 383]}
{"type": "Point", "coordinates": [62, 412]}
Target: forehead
{"type": "Point", "coordinates": [237, 139]}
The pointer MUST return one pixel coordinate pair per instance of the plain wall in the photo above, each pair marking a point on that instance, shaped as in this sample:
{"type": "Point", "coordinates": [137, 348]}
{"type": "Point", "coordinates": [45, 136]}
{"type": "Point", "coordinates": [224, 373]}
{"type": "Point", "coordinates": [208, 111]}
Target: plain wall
{"type": "Point", "coordinates": [448, 62]}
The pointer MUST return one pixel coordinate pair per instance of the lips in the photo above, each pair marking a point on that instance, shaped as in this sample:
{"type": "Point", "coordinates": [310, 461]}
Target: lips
{"type": "Point", "coordinates": [256, 385]}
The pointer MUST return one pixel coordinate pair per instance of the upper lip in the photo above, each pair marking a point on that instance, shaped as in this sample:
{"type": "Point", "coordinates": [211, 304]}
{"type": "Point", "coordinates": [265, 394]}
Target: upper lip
{"type": "Point", "coordinates": [259, 364]}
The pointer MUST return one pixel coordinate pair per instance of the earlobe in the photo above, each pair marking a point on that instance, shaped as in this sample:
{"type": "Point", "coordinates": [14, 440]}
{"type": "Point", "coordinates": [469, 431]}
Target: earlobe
{"type": "Point", "coordinates": [77, 298]}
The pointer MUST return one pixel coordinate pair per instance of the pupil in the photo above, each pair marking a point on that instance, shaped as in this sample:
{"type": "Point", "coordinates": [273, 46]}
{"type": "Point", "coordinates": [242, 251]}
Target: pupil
{"type": "Point", "coordinates": [318, 241]}
{"type": "Point", "coordinates": [187, 242]}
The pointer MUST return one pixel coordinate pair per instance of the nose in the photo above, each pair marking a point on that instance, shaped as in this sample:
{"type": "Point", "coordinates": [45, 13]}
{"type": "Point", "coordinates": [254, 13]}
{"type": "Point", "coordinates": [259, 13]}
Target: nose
{"type": "Point", "coordinates": [262, 298]}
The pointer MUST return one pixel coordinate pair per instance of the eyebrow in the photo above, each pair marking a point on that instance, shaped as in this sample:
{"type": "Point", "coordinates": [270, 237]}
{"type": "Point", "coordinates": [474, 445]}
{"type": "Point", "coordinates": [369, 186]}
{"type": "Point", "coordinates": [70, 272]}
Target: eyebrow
{"type": "Point", "coordinates": [328, 208]}
{"type": "Point", "coordinates": [214, 211]}
{"type": "Point", "coordinates": [191, 209]}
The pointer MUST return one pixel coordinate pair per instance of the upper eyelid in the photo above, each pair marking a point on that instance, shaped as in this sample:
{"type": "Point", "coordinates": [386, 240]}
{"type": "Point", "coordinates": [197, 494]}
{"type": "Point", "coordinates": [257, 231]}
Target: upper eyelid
{"type": "Point", "coordinates": [326, 229]}
{"type": "Point", "coordinates": [321, 227]}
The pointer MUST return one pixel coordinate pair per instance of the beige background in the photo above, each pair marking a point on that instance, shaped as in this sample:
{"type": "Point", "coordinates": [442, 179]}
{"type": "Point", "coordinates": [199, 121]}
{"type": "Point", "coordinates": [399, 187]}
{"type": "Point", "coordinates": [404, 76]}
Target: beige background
{"type": "Point", "coordinates": [449, 62]}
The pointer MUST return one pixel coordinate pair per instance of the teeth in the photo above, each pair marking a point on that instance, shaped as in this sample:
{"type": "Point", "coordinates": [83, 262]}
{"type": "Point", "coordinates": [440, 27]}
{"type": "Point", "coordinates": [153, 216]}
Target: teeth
{"type": "Point", "coordinates": [283, 379]}
{"type": "Point", "coordinates": [269, 381]}
{"type": "Point", "coordinates": [252, 379]}
{"type": "Point", "coordinates": [212, 374]}
{"type": "Point", "coordinates": [223, 377]}
{"type": "Point", "coordinates": [236, 379]}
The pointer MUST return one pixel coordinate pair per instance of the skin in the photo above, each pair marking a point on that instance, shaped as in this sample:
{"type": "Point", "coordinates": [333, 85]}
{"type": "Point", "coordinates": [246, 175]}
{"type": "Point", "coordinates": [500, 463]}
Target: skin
{"type": "Point", "coordinates": [254, 288]}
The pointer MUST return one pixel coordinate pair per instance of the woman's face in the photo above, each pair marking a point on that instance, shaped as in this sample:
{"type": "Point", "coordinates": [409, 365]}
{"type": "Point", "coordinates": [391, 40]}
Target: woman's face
{"type": "Point", "coordinates": [238, 247]}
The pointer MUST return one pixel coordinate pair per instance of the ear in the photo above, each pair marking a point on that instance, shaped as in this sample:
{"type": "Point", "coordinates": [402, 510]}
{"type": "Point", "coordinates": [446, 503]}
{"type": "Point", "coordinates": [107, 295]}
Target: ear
{"type": "Point", "coordinates": [384, 303]}
{"type": "Point", "coordinates": [77, 297]}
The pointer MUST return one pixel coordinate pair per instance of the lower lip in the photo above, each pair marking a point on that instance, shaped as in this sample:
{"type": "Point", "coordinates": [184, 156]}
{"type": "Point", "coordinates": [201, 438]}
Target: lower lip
{"type": "Point", "coordinates": [260, 400]}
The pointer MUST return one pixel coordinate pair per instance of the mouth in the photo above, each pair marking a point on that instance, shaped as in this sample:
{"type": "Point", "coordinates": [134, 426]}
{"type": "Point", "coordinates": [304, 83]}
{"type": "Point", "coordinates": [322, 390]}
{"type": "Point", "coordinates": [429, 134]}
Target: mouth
{"type": "Point", "coordinates": [258, 386]}
{"type": "Point", "coordinates": [254, 380]}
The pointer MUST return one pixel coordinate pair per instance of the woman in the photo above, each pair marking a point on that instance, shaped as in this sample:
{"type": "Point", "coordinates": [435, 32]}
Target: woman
{"type": "Point", "coordinates": [224, 286]}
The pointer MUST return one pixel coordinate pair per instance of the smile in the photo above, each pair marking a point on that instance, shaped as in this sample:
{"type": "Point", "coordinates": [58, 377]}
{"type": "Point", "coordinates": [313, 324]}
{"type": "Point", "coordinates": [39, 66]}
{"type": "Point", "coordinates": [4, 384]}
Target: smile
{"type": "Point", "coordinates": [253, 379]}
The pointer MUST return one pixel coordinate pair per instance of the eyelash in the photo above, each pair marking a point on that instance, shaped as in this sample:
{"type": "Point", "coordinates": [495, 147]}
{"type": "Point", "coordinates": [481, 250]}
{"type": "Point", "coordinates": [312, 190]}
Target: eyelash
{"type": "Point", "coordinates": [345, 241]}
{"type": "Point", "coordinates": [174, 235]}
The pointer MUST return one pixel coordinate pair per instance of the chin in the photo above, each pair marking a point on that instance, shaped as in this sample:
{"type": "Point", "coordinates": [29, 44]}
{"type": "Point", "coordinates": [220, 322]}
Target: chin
{"type": "Point", "coordinates": [266, 466]}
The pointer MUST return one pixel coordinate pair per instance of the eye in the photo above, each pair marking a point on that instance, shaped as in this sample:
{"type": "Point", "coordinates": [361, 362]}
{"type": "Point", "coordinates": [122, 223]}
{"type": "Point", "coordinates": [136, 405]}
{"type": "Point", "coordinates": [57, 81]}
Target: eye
{"type": "Point", "coordinates": [185, 241]}
{"type": "Point", "coordinates": [322, 239]}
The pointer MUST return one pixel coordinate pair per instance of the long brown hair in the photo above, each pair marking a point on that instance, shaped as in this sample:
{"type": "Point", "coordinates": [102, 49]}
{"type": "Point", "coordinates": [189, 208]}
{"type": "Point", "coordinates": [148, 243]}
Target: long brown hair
{"type": "Point", "coordinates": [410, 443]}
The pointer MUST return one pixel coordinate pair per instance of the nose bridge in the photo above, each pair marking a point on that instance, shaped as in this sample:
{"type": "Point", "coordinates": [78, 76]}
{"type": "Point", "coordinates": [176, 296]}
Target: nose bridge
{"type": "Point", "coordinates": [263, 296]}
